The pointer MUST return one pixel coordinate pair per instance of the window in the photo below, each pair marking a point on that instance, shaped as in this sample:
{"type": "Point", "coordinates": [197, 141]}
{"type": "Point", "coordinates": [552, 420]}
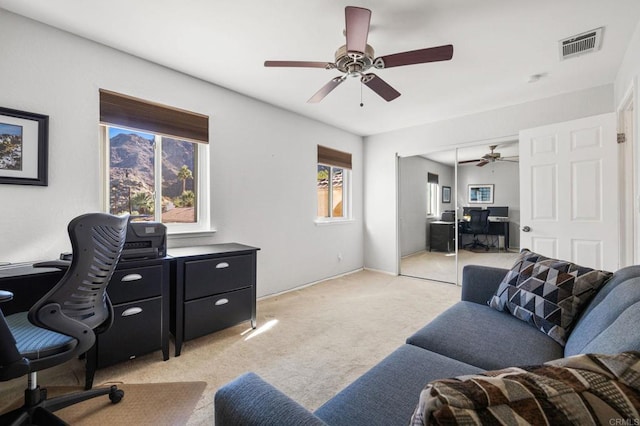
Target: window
{"type": "Point", "coordinates": [153, 175]}
{"type": "Point", "coordinates": [333, 184]}
{"type": "Point", "coordinates": [432, 194]}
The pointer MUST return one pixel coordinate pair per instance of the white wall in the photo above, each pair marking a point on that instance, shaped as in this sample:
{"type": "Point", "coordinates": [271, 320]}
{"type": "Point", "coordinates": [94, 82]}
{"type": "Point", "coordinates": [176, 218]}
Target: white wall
{"type": "Point", "coordinates": [412, 207]}
{"type": "Point", "coordinates": [263, 159]}
{"type": "Point", "coordinates": [505, 177]}
{"type": "Point", "coordinates": [380, 239]}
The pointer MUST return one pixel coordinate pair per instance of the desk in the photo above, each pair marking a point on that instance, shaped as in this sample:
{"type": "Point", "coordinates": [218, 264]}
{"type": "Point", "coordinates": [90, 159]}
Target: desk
{"type": "Point", "coordinates": [442, 236]}
{"type": "Point", "coordinates": [28, 285]}
{"type": "Point", "coordinates": [495, 228]}
{"type": "Point", "coordinates": [139, 293]}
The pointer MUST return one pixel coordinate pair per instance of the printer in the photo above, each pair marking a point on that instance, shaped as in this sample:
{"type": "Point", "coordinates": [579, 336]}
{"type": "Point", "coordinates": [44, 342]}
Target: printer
{"type": "Point", "coordinates": [145, 240]}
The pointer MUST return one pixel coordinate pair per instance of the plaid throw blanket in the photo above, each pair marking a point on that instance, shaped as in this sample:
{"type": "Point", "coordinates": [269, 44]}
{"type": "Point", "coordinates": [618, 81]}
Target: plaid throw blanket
{"type": "Point", "coordinates": [579, 390]}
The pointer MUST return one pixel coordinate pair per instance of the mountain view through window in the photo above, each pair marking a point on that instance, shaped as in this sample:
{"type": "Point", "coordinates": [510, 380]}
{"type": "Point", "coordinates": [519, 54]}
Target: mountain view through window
{"type": "Point", "coordinates": [149, 193]}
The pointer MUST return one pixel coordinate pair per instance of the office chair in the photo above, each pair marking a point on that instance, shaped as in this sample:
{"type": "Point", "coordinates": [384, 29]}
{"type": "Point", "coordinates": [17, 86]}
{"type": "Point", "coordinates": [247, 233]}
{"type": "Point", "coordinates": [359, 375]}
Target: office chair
{"type": "Point", "coordinates": [478, 225]}
{"type": "Point", "coordinates": [64, 322]}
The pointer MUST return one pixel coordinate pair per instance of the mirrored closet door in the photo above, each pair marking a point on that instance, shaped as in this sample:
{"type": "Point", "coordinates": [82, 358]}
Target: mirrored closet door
{"type": "Point", "coordinates": [436, 195]}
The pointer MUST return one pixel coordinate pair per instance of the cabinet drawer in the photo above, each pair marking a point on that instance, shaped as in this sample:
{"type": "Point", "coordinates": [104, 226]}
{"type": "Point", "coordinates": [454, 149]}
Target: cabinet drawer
{"type": "Point", "coordinates": [219, 275]}
{"type": "Point", "coordinates": [136, 330]}
{"type": "Point", "coordinates": [135, 284]}
{"type": "Point", "coordinates": [209, 314]}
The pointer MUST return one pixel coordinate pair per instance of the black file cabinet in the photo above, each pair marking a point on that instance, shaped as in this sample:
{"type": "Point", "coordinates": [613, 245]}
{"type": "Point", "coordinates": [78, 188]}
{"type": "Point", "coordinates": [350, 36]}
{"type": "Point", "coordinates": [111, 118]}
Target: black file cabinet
{"type": "Point", "coordinates": [442, 236]}
{"type": "Point", "coordinates": [139, 293]}
{"type": "Point", "coordinates": [213, 287]}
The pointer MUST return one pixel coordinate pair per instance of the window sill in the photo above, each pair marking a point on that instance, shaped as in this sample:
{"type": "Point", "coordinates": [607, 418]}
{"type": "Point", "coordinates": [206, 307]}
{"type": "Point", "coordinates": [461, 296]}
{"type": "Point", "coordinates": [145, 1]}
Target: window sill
{"type": "Point", "coordinates": [190, 234]}
{"type": "Point", "coordinates": [325, 222]}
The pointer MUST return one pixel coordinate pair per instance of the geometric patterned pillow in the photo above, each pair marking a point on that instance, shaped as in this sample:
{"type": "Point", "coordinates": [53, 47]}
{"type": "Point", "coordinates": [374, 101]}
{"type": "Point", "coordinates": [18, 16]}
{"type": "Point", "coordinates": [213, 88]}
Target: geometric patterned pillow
{"type": "Point", "coordinates": [547, 293]}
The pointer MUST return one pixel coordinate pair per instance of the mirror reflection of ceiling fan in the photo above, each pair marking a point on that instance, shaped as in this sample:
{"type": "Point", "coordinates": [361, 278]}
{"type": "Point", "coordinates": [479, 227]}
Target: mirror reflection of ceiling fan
{"type": "Point", "coordinates": [490, 157]}
{"type": "Point", "coordinates": [356, 57]}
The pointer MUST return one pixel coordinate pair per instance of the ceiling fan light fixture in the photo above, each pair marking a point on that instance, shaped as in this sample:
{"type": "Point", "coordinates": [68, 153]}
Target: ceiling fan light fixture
{"type": "Point", "coordinates": [344, 58]}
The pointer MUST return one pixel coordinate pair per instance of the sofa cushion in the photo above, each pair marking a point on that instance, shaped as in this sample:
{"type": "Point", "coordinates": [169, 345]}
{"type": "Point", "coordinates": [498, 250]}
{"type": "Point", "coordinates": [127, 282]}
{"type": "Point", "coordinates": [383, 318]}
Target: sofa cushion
{"type": "Point", "coordinates": [586, 389]}
{"type": "Point", "coordinates": [249, 400]}
{"type": "Point", "coordinates": [547, 293]}
{"type": "Point", "coordinates": [607, 327]}
{"type": "Point", "coordinates": [390, 390]}
{"type": "Point", "coordinates": [478, 335]}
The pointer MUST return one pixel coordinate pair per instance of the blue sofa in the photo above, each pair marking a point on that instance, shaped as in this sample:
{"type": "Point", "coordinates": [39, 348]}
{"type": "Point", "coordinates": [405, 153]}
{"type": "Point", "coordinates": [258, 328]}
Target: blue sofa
{"type": "Point", "coordinates": [468, 338]}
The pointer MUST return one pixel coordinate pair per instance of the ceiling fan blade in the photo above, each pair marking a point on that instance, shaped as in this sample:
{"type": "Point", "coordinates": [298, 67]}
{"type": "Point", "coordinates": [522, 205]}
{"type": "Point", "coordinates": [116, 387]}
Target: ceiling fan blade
{"type": "Point", "coordinates": [468, 161]}
{"type": "Point", "coordinates": [299, 64]}
{"type": "Point", "coordinates": [325, 90]}
{"type": "Point", "coordinates": [357, 20]}
{"type": "Point", "coordinates": [380, 86]}
{"type": "Point", "coordinates": [420, 56]}
{"type": "Point", "coordinates": [482, 163]}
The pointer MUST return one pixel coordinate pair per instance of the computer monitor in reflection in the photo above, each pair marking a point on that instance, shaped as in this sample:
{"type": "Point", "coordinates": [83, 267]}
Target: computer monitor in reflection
{"type": "Point", "coordinates": [498, 211]}
{"type": "Point", "coordinates": [465, 210]}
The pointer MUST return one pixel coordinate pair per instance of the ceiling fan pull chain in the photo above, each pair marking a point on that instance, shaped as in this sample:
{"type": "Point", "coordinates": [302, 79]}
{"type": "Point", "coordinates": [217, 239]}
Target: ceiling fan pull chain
{"type": "Point", "coordinates": [361, 103]}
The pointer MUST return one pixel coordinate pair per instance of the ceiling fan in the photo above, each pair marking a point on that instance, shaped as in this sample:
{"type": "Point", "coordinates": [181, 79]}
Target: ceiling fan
{"type": "Point", "coordinates": [491, 157]}
{"type": "Point", "coordinates": [356, 57]}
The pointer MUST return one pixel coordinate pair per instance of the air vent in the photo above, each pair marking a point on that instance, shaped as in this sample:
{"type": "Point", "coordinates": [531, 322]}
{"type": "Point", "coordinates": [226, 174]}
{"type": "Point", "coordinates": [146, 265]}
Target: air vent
{"type": "Point", "coordinates": [580, 44]}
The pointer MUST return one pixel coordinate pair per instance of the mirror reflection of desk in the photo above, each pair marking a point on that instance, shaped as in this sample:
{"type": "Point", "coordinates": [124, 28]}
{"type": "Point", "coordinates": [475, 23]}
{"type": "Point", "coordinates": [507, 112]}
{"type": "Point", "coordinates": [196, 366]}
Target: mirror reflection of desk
{"type": "Point", "coordinates": [442, 236]}
{"type": "Point", "coordinates": [498, 226]}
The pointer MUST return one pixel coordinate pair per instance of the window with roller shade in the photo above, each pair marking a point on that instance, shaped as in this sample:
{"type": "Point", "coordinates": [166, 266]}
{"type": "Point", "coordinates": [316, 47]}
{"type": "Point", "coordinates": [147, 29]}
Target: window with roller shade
{"type": "Point", "coordinates": [432, 194]}
{"type": "Point", "coordinates": [333, 184]}
{"type": "Point", "coordinates": [156, 162]}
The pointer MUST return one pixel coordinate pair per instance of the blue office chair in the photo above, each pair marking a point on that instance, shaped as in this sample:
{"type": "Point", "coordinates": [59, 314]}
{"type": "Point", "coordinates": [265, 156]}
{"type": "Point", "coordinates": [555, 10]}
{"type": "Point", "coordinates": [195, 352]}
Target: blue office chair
{"type": "Point", "coordinates": [478, 225]}
{"type": "Point", "coordinates": [63, 324]}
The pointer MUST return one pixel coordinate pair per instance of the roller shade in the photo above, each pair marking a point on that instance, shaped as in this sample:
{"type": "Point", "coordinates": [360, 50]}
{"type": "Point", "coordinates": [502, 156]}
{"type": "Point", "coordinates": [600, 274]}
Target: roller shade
{"type": "Point", "coordinates": [432, 178]}
{"type": "Point", "coordinates": [138, 114]}
{"type": "Point", "coordinates": [333, 157]}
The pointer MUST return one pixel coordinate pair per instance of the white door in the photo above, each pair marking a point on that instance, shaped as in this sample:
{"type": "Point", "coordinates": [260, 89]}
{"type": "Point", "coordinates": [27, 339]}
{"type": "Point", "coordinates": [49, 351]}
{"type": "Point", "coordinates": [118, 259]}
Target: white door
{"type": "Point", "coordinates": [569, 191]}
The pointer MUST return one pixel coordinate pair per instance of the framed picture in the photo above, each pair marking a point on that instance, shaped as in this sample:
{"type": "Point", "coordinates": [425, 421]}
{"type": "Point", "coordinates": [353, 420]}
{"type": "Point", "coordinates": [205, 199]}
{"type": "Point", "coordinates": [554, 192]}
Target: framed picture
{"type": "Point", "coordinates": [23, 147]}
{"type": "Point", "coordinates": [446, 194]}
{"type": "Point", "coordinates": [480, 194]}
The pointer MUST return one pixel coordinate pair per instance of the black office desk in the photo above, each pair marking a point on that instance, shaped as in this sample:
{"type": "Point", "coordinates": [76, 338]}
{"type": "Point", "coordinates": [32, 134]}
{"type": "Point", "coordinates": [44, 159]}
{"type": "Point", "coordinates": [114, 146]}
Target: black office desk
{"type": "Point", "coordinates": [495, 228]}
{"type": "Point", "coordinates": [28, 285]}
{"type": "Point", "coordinates": [139, 292]}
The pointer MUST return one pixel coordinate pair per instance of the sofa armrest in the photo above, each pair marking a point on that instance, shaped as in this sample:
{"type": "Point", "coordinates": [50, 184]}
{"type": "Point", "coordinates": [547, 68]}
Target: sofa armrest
{"type": "Point", "coordinates": [479, 283]}
{"type": "Point", "coordinates": [249, 400]}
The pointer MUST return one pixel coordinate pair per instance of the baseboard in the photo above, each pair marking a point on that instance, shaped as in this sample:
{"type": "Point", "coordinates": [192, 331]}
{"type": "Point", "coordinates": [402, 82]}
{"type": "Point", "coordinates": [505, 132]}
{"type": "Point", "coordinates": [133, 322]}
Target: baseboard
{"type": "Point", "coordinates": [310, 284]}
{"type": "Point", "coordinates": [380, 271]}
{"type": "Point", "coordinates": [414, 253]}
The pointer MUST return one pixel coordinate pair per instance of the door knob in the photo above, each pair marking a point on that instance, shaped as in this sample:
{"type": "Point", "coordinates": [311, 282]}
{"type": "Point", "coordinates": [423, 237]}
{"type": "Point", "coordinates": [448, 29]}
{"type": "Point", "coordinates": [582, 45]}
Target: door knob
{"type": "Point", "coordinates": [526, 229]}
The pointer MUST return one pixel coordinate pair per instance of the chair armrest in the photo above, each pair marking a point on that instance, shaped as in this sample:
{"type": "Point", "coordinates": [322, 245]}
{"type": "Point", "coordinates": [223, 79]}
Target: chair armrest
{"type": "Point", "coordinates": [5, 296]}
{"type": "Point", "coordinates": [249, 400]}
{"type": "Point", "coordinates": [479, 283]}
{"type": "Point", "coordinates": [57, 263]}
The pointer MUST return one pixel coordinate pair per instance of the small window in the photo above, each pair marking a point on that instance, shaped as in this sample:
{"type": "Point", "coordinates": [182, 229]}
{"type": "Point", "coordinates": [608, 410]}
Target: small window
{"type": "Point", "coordinates": [333, 184]}
{"type": "Point", "coordinates": [433, 191]}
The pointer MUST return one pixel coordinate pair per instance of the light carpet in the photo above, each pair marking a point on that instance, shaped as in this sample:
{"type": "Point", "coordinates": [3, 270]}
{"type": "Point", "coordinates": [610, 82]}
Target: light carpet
{"type": "Point", "coordinates": [441, 266]}
{"type": "Point", "coordinates": [310, 343]}
{"type": "Point", "coordinates": [143, 404]}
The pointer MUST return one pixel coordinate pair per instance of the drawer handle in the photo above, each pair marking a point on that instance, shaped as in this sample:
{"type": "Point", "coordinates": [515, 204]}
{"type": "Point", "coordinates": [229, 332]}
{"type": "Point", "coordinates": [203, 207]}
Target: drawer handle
{"type": "Point", "coordinates": [222, 265]}
{"type": "Point", "coordinates": [131, 277]}
{"type": "Point", "coordinates": [132, 311]}
{"type": "Point", "coordinates": [222, 302]}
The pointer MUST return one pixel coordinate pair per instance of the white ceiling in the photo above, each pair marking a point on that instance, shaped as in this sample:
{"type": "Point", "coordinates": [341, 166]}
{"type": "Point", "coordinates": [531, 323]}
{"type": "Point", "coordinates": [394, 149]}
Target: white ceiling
{"type": "Point", "coordinates": [498, 45]}
{"type": "Point", "coordinates": [507, 149]}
